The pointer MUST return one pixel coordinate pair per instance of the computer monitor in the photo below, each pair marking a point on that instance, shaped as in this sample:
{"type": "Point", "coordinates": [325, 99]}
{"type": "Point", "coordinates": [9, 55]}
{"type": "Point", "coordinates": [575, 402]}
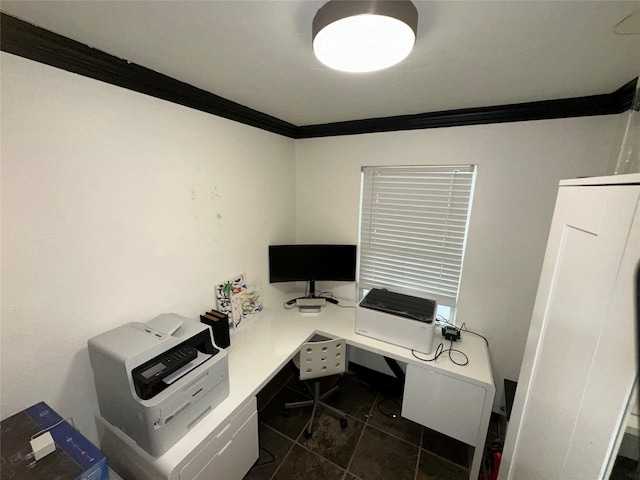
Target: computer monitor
{"type": "Point", "coordinates": [311, 263]}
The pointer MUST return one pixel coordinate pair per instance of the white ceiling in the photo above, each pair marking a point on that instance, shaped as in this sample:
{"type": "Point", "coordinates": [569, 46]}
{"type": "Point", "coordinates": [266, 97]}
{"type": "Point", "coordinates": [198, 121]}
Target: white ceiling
{"type": "Point", "coordinates": [258, 53]}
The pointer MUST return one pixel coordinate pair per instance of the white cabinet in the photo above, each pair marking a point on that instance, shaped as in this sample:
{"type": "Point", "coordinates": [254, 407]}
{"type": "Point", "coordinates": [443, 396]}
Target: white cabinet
{"type": "Point", "coordinates": [579, 363]}
{"type": "Point", "coordinates": [227, 453]}
{"type": "Point", "coordinates": [454, 405]}
{"type": "Point", "coordinates": [436, 401]}
{"type": "Point", "coordinates": [231, 452]}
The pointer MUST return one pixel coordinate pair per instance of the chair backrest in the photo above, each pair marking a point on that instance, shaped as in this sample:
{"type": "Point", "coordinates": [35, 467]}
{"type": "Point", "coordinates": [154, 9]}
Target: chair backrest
{"type": "Point", "coordinates": [320, 359]}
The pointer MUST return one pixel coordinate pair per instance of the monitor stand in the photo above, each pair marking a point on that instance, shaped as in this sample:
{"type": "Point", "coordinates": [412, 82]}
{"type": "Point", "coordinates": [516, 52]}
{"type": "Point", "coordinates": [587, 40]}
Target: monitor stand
{"type": "Point", "coordinates": [312, 294]}
{"type": "Point", "coordinates": [312, 289]}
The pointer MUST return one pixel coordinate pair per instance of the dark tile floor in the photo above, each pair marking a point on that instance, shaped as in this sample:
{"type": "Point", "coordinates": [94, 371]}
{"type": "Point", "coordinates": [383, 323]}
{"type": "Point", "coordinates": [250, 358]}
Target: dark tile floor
{"type": "Point", "coordinates": [377, 443]}
{"type": "Point", "coordinates": [625, 469]}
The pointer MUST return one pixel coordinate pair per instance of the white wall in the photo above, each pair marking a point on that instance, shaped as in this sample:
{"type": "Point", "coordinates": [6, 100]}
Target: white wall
{"type": "Point", "coordinates": [117, 207]}
{"type": "Point", "coordinates": [519, 166]}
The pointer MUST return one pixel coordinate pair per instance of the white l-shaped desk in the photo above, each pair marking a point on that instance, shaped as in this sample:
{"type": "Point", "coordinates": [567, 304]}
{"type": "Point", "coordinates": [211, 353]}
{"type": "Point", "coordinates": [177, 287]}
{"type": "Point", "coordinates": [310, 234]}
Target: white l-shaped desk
{"type": "Point", "coordinates": [452, 399]}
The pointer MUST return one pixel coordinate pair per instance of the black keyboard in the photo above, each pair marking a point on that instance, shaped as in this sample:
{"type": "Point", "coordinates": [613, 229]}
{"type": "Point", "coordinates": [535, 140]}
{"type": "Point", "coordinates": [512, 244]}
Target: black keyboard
{"type": "Point", "coordinates": [399, 304]}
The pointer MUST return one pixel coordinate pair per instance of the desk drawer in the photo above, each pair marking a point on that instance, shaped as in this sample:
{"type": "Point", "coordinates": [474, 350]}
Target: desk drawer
{"type": "Point", "coordinates": [231, 452]}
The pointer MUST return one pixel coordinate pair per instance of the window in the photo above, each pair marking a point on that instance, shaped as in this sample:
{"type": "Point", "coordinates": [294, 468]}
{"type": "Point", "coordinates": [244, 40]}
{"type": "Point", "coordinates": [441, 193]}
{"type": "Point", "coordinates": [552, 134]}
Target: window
{"type": "Point", "coordinates": [413, 228]}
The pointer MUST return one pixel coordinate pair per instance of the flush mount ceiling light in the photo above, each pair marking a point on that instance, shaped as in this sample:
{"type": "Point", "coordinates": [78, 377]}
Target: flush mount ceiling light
{"type": "Point", "coordinates": [364, 35]}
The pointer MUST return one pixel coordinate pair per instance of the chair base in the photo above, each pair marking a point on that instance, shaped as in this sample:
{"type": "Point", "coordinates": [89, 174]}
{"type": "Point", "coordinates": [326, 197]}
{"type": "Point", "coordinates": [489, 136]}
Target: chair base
{"type": "Point", "coordinates": [316, 402]}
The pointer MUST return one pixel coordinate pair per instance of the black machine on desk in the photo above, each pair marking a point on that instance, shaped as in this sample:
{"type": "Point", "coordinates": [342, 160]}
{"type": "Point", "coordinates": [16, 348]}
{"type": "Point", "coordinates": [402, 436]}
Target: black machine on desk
{"type": "Point", "coordinates": [396, 318]}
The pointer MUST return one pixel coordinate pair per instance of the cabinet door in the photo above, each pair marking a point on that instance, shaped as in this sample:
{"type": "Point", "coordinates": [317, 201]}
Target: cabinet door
{"type": "Point", "coordinates": [445, 404]}
{"type": "Point", "coordinates": [555, 431]}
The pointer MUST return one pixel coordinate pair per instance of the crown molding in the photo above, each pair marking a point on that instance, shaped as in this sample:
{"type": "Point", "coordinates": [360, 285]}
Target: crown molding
{"type": "Point", "coordinates": [26, 40]}
{"type": "Point", "coordinates": [29, 41]}
{"type": "Point", "coordinates": [605, 104]}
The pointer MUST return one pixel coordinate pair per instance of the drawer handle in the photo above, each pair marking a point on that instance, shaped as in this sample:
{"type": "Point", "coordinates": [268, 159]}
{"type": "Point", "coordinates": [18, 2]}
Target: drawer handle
{"type": "Point", "coordinates": [225, 447]}
{"type": "Point", "coordinates": [223, 430]}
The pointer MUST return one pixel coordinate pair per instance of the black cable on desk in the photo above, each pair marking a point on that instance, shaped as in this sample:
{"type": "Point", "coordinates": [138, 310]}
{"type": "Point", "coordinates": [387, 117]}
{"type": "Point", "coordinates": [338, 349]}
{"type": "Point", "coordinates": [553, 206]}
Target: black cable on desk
{"type": "Point", "coordinates": [327, 294]}
{"type": "Point", "coordinates": [463, 328]}
{"type": "Point", "coordinates": [440, 350]}
{"type": "Point", "coordinates": [330, 297]}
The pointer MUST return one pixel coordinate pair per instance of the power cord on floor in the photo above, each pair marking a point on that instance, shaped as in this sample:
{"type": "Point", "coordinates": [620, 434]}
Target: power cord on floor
{"type": "Point", "coordinates": [266, 462]}
{"type": "Point", "coordinates": [386, 414]}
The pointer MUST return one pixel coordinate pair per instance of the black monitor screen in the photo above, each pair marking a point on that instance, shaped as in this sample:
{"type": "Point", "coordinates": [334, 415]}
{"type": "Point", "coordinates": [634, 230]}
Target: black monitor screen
{"type": "Point", "coordinates": [300, 263]}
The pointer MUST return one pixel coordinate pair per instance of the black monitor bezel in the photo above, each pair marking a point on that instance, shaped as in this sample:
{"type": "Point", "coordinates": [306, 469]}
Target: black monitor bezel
{"type": "Point", "coordinates": [316, 250]}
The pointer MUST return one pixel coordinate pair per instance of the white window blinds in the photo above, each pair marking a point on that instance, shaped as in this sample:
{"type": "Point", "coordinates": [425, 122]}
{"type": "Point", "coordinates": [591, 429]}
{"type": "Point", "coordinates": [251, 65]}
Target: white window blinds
{"type": "Point", "coordinates": [413, 228]}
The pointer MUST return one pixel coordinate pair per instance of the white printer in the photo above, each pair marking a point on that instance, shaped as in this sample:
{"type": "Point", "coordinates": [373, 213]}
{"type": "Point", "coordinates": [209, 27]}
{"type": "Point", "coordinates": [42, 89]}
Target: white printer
{"type": "Point", "coordinates": [156, 380]}
{"type": "Point", "coordinates": [396, 318]}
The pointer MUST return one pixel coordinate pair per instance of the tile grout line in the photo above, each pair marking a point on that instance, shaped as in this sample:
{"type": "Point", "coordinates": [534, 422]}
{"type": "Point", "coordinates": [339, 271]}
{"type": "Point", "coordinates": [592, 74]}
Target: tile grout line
{"type": "Point", "coordinates": [366, 422]}
{"type": "Point", "coordinates": [265, 425]}
{"type": "Point", "coordinates": [450, 462]}
{"type": "Point", "coordinates": [266, 403]}
{"type": "Point", "coordinates": [396, 437]}
{"type": "Point", "coordinates": [293, 441]}
{"type": "Point", "coordinates": [318, 455]}
{"type": "Point", "coordinates": [307, 449]}
{"type": "Point", "coordinates": [275, 472]}
{"type": "Point", "coordinates": [415, 474]}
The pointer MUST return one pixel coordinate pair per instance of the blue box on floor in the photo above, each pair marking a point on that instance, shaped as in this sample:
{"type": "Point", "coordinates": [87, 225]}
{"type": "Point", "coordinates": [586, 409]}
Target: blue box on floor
{"type": "Point", "coordinates": [75, 458]}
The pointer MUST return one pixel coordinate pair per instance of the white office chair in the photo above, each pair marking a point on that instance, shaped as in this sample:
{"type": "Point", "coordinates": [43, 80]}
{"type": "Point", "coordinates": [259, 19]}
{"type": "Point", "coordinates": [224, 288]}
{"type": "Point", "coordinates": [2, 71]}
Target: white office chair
{"type": "Point", "coordinates": [316, 360]}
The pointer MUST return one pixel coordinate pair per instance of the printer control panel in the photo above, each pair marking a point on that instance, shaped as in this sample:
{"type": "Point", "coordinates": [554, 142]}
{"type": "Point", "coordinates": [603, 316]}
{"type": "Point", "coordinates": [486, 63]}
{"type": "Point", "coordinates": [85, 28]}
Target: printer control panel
{"type": "Point", "coordinates": [167, 363]}
{"type": "Point", "coordinates": [160, 372]}
{"type": "Point", "coordinates": [179, 357]}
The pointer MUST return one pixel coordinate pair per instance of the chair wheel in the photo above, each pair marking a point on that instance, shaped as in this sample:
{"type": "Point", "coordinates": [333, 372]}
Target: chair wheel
{"type": "Point", "coordinates": [308, 434]}
{"type": "Point", "coordinates": [343, 423]}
